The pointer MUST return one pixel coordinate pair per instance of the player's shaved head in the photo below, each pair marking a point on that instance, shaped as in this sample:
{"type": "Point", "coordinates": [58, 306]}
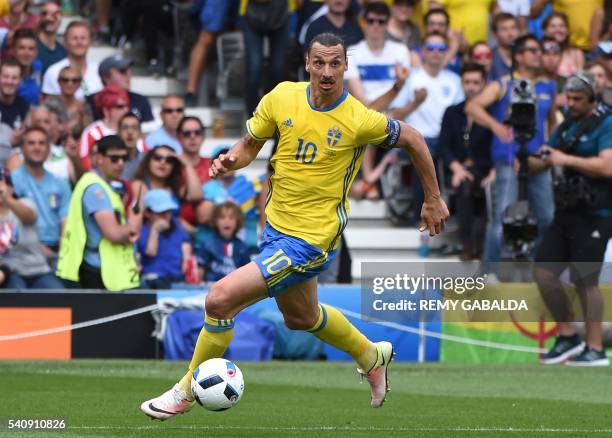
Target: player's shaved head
{"type": "Point", "coordinates": [328, 39]}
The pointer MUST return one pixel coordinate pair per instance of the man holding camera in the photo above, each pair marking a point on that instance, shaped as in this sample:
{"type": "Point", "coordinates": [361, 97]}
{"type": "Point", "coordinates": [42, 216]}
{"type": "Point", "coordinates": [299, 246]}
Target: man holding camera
{"type": "Point", "coordinates": [498, 95]}
{"type": "Point", "coordinates": [581, 153]}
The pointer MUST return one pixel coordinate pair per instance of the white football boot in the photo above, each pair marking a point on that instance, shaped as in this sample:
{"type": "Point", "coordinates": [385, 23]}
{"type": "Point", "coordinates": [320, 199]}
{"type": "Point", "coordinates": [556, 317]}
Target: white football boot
{"type": "Point", "coordinates": [377, 376]}
{"type": "Point", "coordinates": [169, 404]}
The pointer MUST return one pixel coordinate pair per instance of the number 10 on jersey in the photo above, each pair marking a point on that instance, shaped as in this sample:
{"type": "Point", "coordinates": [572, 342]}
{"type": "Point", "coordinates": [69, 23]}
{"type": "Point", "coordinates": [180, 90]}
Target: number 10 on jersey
{"type": "Point", "coordinates": [306, 153]}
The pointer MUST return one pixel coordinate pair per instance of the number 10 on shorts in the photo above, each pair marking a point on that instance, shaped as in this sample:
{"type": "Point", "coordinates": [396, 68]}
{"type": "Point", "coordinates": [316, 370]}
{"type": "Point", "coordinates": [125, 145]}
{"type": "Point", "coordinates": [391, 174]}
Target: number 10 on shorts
{"type": "Point", "coordinates": [276, 262]}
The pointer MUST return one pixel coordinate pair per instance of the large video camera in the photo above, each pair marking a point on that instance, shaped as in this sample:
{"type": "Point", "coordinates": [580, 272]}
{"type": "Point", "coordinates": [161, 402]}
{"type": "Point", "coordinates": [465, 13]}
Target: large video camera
{"type": "Point", "coordinates": [522, 116]}
{"type": "Point", "coordinates": [519, 223]}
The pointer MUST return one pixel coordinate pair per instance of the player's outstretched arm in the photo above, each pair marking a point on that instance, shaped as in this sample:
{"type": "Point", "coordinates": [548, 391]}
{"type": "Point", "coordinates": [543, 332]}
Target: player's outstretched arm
{"type": "Point", "coordinates": [434, 211]}
{"type": "Point", "coordinates": [239, 156]}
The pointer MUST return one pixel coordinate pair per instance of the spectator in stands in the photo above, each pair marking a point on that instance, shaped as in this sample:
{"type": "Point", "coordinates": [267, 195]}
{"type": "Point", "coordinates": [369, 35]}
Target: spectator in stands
{"type": "Point", "coordinates": [172, 111]}
{"type": "Point", "coordinates": [77, 111]}
{"type": "Point", "coordinates": [601, 25]}
{"type": "Point", "coordinates": [551, 59]}
{"type": "Point", "coordinates": [517, 8]}
{"type": "Point", "coordinates": [429, 90]}
{"type": "Point", "coordinates": [50, 193]}
{"type": "Point", "coordinates": [601, 82]}
{"type": "Point", "coordinates": [400, 27]}
{"type": "Point", "coordinates": [465, 149]}
{"type": "Point", "coordinates": [97, 245]}
{"type": "Point", "coordinates": [131, 133]}
{"type": "Point", "coordinates": [64, 160]}
{"type": "Point", "coordinates": [224, 252]}
{"type": "Point", "coordinates": [470, 19]}
{"type": "Point", "coordinates": [337, 20]}
{"type": "Point", "coordinates": [496, 95]}
{"type": "Point", "coordinates": [276, 30]}
{"type": "Point", "coordinates": [117, 70]}
{"type": "Point", "coordinates": [437, 21]}
{"type": "Point", "coordinates": [377, 68]}
{"type": "Point", "coordinates": [481, 54]}
{"type": "Point", "coordinates": [572, 60]}
{"type": "Point", "coordinates": [20, 256]}
{"type": "Point", "coordinates": [77, 40]}
{"type": "Point", "coordinates": [578, 15]}
{"type": "Point", "coordinates": [505, 30]}
{"type": "Point", "coordinates": [162, 168]}
{"type": "Point", "coordinates": [13, 108]}
{"type": "Point", "coordinates": [191, 136]}
{"type": "Point", "coordinates": [18, 16]}
{"type": "Point", "coordinates": [26, 53]}
{"type": "Point", "coordinates": [113, 103]}
{"type": "Point", "coordinates": [164, 246]}
{"type": "Point", "coordinates": [212, 16]}
{"type": "Point", "coordinates": [50, 50]}
{"type": "Point", "coordinates": [229, 187]}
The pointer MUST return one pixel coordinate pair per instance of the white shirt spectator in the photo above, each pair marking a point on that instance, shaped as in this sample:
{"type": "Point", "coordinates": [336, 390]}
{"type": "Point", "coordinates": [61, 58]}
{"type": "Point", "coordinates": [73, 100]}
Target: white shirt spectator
{"type": "Point", "coordinates": [377, 72]}
{"type": "Point", "coordinates": [518, 8]}
{"type": "Point", "coordinates": [443, 91]}
{"type": "Point", "coordinates": [90, 84]}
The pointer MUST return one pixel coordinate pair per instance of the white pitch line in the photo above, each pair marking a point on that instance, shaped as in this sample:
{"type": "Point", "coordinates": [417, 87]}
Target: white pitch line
{"type": "Point", "coordinates": [347, 429]}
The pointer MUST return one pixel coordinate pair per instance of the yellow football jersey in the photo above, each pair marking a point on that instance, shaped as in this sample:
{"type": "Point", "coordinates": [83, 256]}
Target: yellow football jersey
{"type": "Point", "coordinates": [318, 155]}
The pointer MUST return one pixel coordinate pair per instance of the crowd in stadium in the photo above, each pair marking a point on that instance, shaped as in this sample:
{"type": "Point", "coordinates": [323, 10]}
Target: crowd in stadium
{"type": "Point", "coordinates": [442, 66]}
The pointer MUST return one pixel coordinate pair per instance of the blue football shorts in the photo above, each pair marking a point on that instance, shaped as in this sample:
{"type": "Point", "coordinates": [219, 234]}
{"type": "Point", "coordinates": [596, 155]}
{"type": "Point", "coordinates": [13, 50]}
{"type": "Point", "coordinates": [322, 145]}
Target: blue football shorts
{"type": "Point", "coordinates": [286, 260]}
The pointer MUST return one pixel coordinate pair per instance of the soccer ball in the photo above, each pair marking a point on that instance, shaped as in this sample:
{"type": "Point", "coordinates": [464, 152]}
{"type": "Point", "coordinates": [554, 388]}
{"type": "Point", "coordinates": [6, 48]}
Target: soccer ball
{"type": "Point", "coordinates": [217, 384]}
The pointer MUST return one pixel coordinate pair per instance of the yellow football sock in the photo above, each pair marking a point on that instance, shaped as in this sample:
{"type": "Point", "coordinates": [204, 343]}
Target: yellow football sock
{"type": "Point", "coordinates": [214, 339]}
{"type": "Point", "coordinates": [334, 329]}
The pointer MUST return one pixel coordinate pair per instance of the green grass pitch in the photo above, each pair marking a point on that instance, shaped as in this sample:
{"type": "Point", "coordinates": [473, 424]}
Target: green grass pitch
{"type": "Point", "coordinates": [298, 399]}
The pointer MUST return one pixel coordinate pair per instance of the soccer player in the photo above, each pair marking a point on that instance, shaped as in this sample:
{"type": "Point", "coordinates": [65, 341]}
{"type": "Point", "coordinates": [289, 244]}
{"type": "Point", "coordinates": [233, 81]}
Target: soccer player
{"type": "Point", "coordinates": [323, 133]}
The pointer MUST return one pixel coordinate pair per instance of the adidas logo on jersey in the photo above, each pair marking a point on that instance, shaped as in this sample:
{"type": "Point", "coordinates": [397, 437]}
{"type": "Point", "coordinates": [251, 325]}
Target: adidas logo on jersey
{"type": "Point", "coordinates": [288, 123]}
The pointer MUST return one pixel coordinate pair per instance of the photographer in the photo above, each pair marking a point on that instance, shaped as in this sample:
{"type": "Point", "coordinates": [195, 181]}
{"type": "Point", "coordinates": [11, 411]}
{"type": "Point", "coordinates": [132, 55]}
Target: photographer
{"type": "Point", "coordinates": [581, 153]}
{"type": "Point", "coordinates": [527, 53]}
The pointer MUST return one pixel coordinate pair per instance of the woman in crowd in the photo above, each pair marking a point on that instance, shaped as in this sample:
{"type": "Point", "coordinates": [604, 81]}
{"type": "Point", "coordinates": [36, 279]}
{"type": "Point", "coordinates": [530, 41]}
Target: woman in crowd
{"type": "Point", "coordinates": [556, 25]}
{"type": "Point", "coordinates": [162, 168]}
{"type": "Point", "coordinates": [481, 54]}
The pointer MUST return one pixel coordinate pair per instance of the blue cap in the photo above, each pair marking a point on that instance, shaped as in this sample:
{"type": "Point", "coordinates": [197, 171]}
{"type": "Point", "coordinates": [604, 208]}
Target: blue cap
{"type": "Point", "coordinates": [159, 200]}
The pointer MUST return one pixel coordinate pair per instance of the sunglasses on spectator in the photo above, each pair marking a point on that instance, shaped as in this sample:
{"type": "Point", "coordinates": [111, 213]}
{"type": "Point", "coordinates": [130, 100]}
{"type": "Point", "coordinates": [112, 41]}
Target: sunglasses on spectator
{"type": "Point", "coordinates": [116, 158]}
{"type": "Point", "coordinates": [371, 21]}
{"type": "Point", "coordinates": [44, 13]}
{"type": "Point", "coordinates": [551, 48]}
{"type": "Point", "coordinates": [533, 50]}
{"type": "Point", "coordinates": [163, 158]}
{"type": "Point", "coordinates": [439, 47]}
{"type": "Point", "coordinates": [173, 110]}
{"type": "Point", "coordinates": [189, 133]}
{"type": "Point", "coordinates": [482, 55]}
{"type": "Point", "coordinates": [70, 80]}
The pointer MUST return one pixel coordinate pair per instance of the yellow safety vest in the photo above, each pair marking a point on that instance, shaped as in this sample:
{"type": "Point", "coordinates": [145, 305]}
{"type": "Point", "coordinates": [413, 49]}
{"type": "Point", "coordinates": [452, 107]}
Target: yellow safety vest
{"type": "Point", "coordinates": [117, 263]}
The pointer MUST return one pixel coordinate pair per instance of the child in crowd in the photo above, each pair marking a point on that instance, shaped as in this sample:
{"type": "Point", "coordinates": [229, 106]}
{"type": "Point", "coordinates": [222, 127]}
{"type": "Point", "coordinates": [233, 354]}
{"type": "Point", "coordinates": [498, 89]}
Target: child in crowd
{"type": "Point", "coordinates": [164, 245]}
{"type": "Point", "coordinates": [223, 252]}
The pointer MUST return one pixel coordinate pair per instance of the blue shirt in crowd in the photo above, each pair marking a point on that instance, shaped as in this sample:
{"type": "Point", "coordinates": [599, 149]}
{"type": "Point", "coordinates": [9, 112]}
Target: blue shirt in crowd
{"type": "Point", "coordinates": [169, 259]}
{"type": "Point", "coordinates": [49, 57]}
{"type": "Point", "coordinates": [95, 199]}
{"type": "Point", "coordinates": [51, 195]}
{"type": "Point", "coordinates": [219, 257]}
{"type": "Point", "coordinates": [545, 91]}
{"type": "Point", "coordinates": [29, 88]}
